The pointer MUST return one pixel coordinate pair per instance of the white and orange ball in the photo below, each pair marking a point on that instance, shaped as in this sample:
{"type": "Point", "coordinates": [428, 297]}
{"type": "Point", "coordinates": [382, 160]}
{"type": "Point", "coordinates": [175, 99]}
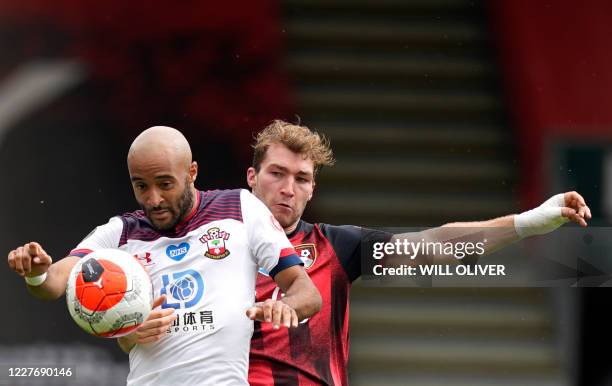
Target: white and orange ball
{"type": "Point", "coordinates": [109, 293]}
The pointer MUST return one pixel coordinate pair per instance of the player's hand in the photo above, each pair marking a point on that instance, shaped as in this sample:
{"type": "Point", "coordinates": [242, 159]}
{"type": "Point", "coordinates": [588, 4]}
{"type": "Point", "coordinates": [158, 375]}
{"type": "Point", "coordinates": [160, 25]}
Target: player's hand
{"type": "Point", "coordinates": [553, 213]}
{"type": "Point", "coordinates": [155, 327]}
{"type": "Point", "coordinates": [29, 260]}
{"type": "Point", "coordinates": [575, 208]}
{"type": "Point", "coordinates": [273, 311]}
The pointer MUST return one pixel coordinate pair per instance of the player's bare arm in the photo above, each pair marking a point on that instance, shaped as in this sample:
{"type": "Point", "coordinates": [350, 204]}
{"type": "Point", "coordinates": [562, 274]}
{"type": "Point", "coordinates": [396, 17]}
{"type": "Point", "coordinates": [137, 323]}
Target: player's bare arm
{"type": "Point", "coordinates": [301, 300]}
{"type": "Point", "coordinates": [45, 279]}
{"type": "Point", "coordinates": [501, 231]}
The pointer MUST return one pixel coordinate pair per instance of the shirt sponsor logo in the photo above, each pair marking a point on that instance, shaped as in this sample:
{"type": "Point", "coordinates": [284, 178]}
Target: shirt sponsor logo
{"type": "Point", "coordinates": [214, 240]}
{"type": "Point", "coordinates": [183, 289]}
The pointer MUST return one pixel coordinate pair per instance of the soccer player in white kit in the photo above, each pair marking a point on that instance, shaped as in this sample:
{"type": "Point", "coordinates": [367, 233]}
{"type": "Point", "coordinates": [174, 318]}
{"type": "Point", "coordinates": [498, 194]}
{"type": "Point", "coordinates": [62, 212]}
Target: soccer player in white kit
{"type": "Point", "coordinates": [202, 251]}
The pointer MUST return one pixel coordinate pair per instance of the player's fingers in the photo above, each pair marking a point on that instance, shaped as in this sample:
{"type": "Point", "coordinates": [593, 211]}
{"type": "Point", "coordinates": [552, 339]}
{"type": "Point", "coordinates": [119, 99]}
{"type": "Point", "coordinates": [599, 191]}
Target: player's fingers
{"type": "Point", "coordinates": [156, 326]}
{"type": "Point", "coordinates": [167, 312]}
{"type": "Point", "coordinates": [294, 319]}
{"type": "Point", "coordinates": [19, 256]}
{"type": "Point", "coordinates": [160, 313]}
{"type": "Point", "coordinates": [579, 199]}
{"type": "Point", "coordinates": [587, 212]}
{"type": "Point", "coordinates": [26, 263]}
{"type": "Point", "coordinates": [148, 330]}
{"type": "Point", "coordinates": [42, 257]}
{"type": "Point", "coordinates": [32, 248]}
{"type": "Point", "coordinates": [570, 197]}
{"type": "Point", "coordinates": [572, 215]}
{"type": "Point", "coordinates": [568, 212]}
{"type": "Point", "coordinates": [159, 301]}
{"type": "Point", "coordinates": [164, 321]}
{"type": "Point", "coordinates": [150, 339]}
{"type": "Point", "coordinates": [286, 320]}
{"type": "Point", "coordinates": [267, 310]}
{"type": "Point", "coordinates": [581, 211]}
{"type": "Point", "coordinates": [254, 313]}
{"type": "Point", "coordinates": [11, 259]}
{"type": "Point", "coordinates": [277, 312]}
{"type": "Point", "coordinates": [169, 319]}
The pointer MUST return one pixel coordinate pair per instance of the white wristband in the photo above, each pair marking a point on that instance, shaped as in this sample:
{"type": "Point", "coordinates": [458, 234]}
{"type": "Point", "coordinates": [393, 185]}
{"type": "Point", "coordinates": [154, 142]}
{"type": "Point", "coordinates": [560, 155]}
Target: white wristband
{"type": "Point", "coordinates": [35, 281]}
{"type": "Point", "coordinates": [541, 220]}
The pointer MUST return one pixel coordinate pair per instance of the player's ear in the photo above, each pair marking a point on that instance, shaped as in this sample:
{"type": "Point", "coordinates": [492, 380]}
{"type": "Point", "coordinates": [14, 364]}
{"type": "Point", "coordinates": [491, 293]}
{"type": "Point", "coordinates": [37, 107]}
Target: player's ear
{"type": "Point", "coordinates": [251, 177]}
{"type": "Point", "coordinates": [193, 171]}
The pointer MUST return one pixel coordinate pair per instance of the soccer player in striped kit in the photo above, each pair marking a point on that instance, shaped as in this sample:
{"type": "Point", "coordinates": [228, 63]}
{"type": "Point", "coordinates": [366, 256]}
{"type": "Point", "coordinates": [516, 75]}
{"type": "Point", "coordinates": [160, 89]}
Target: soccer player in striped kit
{"type": "Point", "coordinates": [285, 163]}
{"type": "Point", "coordinates": [213, 240]}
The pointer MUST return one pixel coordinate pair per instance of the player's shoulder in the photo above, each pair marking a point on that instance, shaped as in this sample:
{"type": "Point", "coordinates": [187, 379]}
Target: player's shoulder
{"type": "Point", "coordinates": [351, 234]}
{"type": "Point", "coordinates": [136, 225]}
{"type": "Point", "coordinates": [133, 218]}
{"type": "Point", "coordinates": [329, 230]}
{"type": "Point", "coordinates": [221, 204]}
{"type": "Point", "coordinates": [221, 196]}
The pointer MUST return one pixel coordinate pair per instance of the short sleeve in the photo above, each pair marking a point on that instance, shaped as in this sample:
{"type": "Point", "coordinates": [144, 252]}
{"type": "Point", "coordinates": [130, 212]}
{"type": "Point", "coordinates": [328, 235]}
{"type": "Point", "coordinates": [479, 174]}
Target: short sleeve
{"type": "Point", "coordinates": [104, 236]}
{"type": "Point", "coordinates": [348, 241]}
{"type": "Point", "coordinates": [267, 240]}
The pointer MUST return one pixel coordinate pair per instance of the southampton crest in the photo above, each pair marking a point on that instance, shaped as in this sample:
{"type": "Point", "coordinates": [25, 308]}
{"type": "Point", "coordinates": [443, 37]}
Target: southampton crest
{"type": "Point", "coordinates": [215, 239]}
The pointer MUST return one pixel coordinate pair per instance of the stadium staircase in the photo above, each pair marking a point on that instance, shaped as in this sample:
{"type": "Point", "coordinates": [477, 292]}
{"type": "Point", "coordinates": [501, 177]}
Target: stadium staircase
{"type": "Point", "coordinates": [408, 92]}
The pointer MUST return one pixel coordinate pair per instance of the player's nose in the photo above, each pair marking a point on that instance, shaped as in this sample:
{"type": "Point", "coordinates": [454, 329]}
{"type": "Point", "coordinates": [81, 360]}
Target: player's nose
{"type": "Point", "coordinates": [154, 198]}
{"type": "Point", "coordinates": [287, 187]}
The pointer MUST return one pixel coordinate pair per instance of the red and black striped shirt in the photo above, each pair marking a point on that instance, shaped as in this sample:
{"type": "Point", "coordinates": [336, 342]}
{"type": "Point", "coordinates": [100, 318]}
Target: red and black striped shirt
{"type": "Point", "coordinates": [316, 352]}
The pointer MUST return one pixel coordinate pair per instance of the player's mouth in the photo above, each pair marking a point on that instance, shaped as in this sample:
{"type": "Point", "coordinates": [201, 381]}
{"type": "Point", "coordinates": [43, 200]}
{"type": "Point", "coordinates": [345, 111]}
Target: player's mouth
{"type": "Point", "coordinates": [284, 207]}
{"type": "Point", "coordinates": [159, 214]}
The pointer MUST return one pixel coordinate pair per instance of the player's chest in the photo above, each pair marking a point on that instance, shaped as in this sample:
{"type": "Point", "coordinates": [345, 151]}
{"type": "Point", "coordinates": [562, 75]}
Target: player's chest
{"type": "Point", "coordinates": [205, 247]}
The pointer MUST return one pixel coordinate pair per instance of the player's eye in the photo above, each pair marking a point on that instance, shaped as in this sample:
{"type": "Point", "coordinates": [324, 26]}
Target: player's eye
{"type": "Point", "coordinates": [167, 185]}
{"type": "Point", "coordinates": [277, 174]}
{"type": "Point", "coordinates": [140, 187]}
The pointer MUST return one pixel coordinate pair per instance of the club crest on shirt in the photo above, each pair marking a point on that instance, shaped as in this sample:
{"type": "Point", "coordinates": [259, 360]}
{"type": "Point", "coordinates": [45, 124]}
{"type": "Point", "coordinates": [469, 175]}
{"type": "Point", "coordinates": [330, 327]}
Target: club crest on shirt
{"type": "Point", "coordinates": [308, 254]}
{"type": "Point", "coordinates": [215, 239]}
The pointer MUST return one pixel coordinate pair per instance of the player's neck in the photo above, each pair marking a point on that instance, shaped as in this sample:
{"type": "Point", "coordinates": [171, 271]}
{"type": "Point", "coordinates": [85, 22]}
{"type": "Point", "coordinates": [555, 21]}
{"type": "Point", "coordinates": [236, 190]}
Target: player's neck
{"type": "Point", "coordinates": [196, 199]}
{"type": "Point", "coordinates": [194, 206]}
{"type": "Point", "coordinates": [291, 227]}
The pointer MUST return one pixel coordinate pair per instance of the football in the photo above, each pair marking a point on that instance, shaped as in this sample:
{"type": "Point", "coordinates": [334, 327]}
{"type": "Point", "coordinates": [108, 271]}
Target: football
{"type": "Point", "coordinates": [109, 293]}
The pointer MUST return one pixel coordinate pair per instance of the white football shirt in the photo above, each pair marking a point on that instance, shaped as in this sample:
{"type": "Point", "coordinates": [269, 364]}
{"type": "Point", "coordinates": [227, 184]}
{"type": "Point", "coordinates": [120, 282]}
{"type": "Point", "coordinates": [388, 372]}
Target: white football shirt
{"type": "Point", "coordinates": [207, 268]}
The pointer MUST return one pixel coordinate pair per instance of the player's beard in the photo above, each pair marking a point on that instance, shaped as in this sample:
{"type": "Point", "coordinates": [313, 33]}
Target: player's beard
{"type": "Point", "coordinates": [178, 212]}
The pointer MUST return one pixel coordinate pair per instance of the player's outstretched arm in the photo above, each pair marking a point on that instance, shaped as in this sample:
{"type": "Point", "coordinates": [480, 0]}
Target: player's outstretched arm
{"type": "Point", "coordinates": [501, 231]}
{"type": "Point", "coordinates": [152, 330]}
{"type": "Point", "coordinates": [550, 215]}
{"type": "Point", "coordinates": [301, 300]}
{"type": "Point", "coordinates": [45, 279]}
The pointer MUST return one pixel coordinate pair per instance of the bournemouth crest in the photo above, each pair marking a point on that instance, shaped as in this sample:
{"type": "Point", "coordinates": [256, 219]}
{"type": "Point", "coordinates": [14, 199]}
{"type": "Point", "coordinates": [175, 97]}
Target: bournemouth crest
{"type": "Point", "coordinates": [308, 254]}
{"type": "Point", "coordinates": [215, 239]}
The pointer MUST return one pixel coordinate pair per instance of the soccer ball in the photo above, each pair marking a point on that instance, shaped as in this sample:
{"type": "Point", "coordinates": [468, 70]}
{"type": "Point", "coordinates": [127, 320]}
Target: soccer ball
{"type": "Point", "coordinates": [109, 293]}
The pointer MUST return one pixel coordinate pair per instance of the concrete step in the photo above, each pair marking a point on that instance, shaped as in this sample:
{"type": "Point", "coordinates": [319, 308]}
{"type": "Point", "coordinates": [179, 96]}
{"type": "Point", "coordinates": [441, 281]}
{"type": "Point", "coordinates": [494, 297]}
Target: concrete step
{"type": "Point", "coordinates": [392, 5]}
{"type": "Point", "coordinates": [440, 106]}
{"type": "Point", "coordinates": [382, 33]}
{"type": "Point", "coordinates": [363, 67]}
{"type": "Point", "coordinates": [394, 204]}
{"type": "Point", "coordinates": [432, 379]}
{"type": "Point", "coordinates": [449, 355]}
{"type": "Point", "coordinates": [394, 169]}
{"type": "Point", "coordinates": [472, 314]}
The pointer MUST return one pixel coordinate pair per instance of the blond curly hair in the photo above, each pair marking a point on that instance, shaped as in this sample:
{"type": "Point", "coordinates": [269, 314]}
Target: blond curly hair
{"type": "Point", "coordinates": [299, 139]}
